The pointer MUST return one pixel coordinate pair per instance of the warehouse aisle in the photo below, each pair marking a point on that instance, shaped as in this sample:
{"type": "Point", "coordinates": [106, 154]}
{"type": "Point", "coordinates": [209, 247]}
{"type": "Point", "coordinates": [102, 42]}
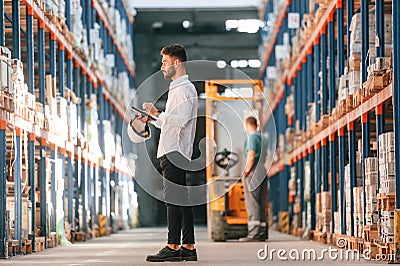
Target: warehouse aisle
{"type": "Point", "coordinates": [131, 248]}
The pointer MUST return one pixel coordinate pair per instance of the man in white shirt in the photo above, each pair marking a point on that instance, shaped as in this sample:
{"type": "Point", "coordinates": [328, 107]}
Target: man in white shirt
{"type": "Point", "coordinates": [178, 128]}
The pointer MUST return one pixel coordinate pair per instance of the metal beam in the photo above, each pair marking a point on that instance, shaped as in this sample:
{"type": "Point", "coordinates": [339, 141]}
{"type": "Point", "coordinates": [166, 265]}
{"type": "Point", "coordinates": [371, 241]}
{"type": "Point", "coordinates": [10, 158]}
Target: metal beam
{"type": "Point", "coordinates": [340, 40]}
{"type": "Point", "coordinates": [366, 150]}
{"type": "Point", "coordinates": [3, 190]}
{"type": "Point", "coordinates": [380, 128]}
{"type": "Point", "coordinates": [53, 189]}
{"type": "Point", "coordinates": [76, 225]}
{"type": "Point", "coordinates": [42, 165]}
{"type": "Point", "coordinates": [332, 150]}
{"type": "Point", "coordinates": [2, 24]}
{"type": "Point", "coordinates": [380, 27]}
{"type": "Point", "coordinates": [396, 112]}
{"type": "Point", "coordinates": [324, 70]}
{"type": "Point", "coordinates": [16, 33]}
{"type": "Point", "coordinates": [342, 160]}
{"type": "Point", "coordinates": [317, 80]}
{"type": "Point", "coordinates": [83, 96]}
{"type": "Point", "coordinates": [325, 164]}
{"type": "Point", "coordinates": [89, 183]}
{"type": "Point", "coordinates": [70, 191]}
{"type": "Point", "coordinates": [311, 157]}
{"type": "Point", "coordinates": [84, 195]}
{"type": "Point", "coordinates": [353, 172]}
{"type": "Point", "coordinates": [318, 168]}
{"type": "Point", "coordinates": [332, 69]}
{"type": "Point", "coordinates": [31, 144]}
{"type": "Point", "coordinates": [350, 12]}
{"type": "Point", "coordinates": [301, 176]}
{"type": "Point", "coordinates": [68, 13]}
{"type": "Point", "coordinates": [95, 196]}
{"type": "Point", "coordinates": [61, 70]}
{"type": "Point", "coordinates": [365, 38]}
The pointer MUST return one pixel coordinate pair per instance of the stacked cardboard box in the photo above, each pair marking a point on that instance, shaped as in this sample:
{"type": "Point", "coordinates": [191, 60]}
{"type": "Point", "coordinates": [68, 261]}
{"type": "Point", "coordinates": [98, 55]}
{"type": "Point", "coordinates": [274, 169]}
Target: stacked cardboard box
{"type": "Point", "coordinates": [5, 69]}
{"type": "Point", "coordinates": [386, 226]}
{"type": "Point", "coordinates": [347, 193]}
{"type": "Point", "coordinates": [356, 47]}
{"type": "Point", "coordinates": [387, 166]}
{"type": "Point", "coordinates": [324, 215]}
{"type": "Point", "coordinates": [358, 193]}
{"type": "Point", "coordinates": [338, 224]}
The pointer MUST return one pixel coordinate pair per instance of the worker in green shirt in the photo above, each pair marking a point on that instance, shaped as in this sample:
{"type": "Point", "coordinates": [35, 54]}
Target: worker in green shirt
{"type": "Point", "coordinates": [254, 182]}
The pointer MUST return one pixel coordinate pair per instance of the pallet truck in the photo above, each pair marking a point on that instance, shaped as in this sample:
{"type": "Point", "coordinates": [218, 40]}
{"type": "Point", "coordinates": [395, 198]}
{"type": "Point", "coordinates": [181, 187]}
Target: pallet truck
{"type": "Point", "coordinates": [226, 210]}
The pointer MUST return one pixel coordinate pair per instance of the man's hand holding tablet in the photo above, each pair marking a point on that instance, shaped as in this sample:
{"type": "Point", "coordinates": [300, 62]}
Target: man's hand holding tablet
{"type": "Point", "coordinates": [144, 115]}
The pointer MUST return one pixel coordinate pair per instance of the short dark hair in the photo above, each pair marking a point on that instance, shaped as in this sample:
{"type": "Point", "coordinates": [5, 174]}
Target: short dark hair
{"type": "Point", "coordinates": [252, 121]}
{"type": "Point", "coordinates": [175, 50]}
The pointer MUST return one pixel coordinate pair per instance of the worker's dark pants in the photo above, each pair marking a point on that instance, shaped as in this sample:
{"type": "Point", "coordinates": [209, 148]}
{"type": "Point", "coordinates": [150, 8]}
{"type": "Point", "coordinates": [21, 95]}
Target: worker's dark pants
{"type": "Point", "coordinates": [255, 207]}
{"type": "Point", "coordinates": [179, 216]}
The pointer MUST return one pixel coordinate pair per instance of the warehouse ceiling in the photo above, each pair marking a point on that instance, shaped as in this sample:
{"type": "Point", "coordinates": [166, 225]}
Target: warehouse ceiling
{"type": "Point", "coordinates": [205, 38]}
{"type": "Point", "coordinates": [197, 4]}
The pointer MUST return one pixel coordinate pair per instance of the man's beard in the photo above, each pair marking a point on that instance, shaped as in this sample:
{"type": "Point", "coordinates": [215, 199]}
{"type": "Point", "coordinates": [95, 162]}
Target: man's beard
{"type": "Point", "coordinates": [169, 74]}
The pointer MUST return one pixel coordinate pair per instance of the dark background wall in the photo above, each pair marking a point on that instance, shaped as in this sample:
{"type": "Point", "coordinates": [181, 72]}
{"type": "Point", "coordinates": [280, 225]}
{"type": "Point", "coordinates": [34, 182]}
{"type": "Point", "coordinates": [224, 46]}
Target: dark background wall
{"type": "Point", "coordinates": [206, 39]}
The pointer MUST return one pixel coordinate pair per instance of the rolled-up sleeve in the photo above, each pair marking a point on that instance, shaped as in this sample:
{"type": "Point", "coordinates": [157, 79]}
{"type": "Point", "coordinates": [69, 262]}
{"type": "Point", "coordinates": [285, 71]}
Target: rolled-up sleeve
{"type": "Point", "coordinates": [157, 123]}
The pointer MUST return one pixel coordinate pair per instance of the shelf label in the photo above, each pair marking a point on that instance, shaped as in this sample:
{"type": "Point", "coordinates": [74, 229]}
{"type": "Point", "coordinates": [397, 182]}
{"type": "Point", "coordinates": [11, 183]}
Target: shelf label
{"type": "Point", "coordinates": [294, 20]}
{"type": "Point", "coordinates": [110, 60]}
{"type": "Point", "coordinates": [76, 7]}
{"type": "Point", "coordinates": [271, 72]}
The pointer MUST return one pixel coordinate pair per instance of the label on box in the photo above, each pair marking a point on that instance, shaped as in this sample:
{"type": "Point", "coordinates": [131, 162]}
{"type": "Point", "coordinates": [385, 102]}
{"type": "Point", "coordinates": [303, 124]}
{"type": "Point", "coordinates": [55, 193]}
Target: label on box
{"type": "Point", "coordinates": [294, 20]}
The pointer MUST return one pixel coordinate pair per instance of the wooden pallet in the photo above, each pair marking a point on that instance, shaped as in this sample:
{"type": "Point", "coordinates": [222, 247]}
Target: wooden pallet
{"type": "Point", "coordinates": [6, 101]}
{"type": "Point", "coordinates": [41, 4]}
{"type": "Point", "coordinates": [19, 109]}
{"type": "Point", "coordinates": [12, 247]}
{"type": "Point", "coordinates": [40, 244]}
{"type": "Point", "coordinates": [370, 233]}
{"type": "Point", "coordinates": [357, 98]}
{"type": "Point", "coordinates": [386, 202]}
{"type": "Point", "coordinates": [39, 119]}
{"type": "Point", "coordinates": [360, 244]}
{"type": "Point", "coordinates": [29, 115]}
{"type": "Point", "coordinates": [376, 84]}
{"type": "Point", "coordinates": [320, 237]}
{"type": "Point", "coordinates": [383, 250]}
{"type": "Point", "coordinates": [373, 249]}
{"type": "Point", "coordinates": [79, 236]}
{"type": "Point", "coordinates": [26, 247]}
{"type": "Point", "coordinates": [52, 240]}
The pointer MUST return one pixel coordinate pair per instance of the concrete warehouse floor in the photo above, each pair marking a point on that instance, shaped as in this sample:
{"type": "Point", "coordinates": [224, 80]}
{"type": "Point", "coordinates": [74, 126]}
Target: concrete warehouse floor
{"type": "Point", "coordinates": [131, 247]}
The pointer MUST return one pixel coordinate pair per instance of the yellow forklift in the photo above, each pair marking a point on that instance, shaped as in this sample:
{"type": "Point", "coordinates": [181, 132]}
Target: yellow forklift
{"type": "Point", "coordinates": [228, 104]}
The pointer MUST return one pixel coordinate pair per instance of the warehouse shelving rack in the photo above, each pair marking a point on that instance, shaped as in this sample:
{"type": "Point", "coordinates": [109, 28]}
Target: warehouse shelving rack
{"type": "Point", "coordinates": [335, 143]}
{"type": "Point", "coordinates": [56, 55]}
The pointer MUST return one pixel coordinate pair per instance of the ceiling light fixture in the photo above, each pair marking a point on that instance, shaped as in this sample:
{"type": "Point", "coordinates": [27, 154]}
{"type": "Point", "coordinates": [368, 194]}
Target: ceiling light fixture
{"type": "Point", "coordinates": [249, 25]}
{"type": "Point", "coordinates": [231, 24]}
{"type": "Point", "coordinates": [157, 25]}
{"type": "Point", "coordinates": [254, 63]}
{"type": "Point", "coordinates": [221, 64]}
{"type": "Point", "coordinates": [186, 24]}
{"type": "Point", "coordinates": [242, 63]}
{"type": "Point", "coordinates": [235, 63]}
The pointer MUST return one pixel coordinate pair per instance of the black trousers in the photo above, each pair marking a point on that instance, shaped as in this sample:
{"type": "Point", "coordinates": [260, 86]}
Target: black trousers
{"type": "Point", "coordinates": [179, 218]}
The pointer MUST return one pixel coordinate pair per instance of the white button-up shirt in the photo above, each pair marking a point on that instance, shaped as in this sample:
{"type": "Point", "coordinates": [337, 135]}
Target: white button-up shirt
{"type": "Point", "coordinates": [178, 122]}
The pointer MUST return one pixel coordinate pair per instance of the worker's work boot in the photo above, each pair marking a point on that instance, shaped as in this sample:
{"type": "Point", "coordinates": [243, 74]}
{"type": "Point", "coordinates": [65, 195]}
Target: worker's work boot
{"type": "Point", "coordinates": [188, 255]}
{"type": "Point", "coordinates": [165, 254]}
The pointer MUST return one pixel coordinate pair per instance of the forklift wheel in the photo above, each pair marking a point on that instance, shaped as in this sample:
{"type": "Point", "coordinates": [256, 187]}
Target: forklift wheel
{"type": "Point", "coordinates": [218, 227]}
